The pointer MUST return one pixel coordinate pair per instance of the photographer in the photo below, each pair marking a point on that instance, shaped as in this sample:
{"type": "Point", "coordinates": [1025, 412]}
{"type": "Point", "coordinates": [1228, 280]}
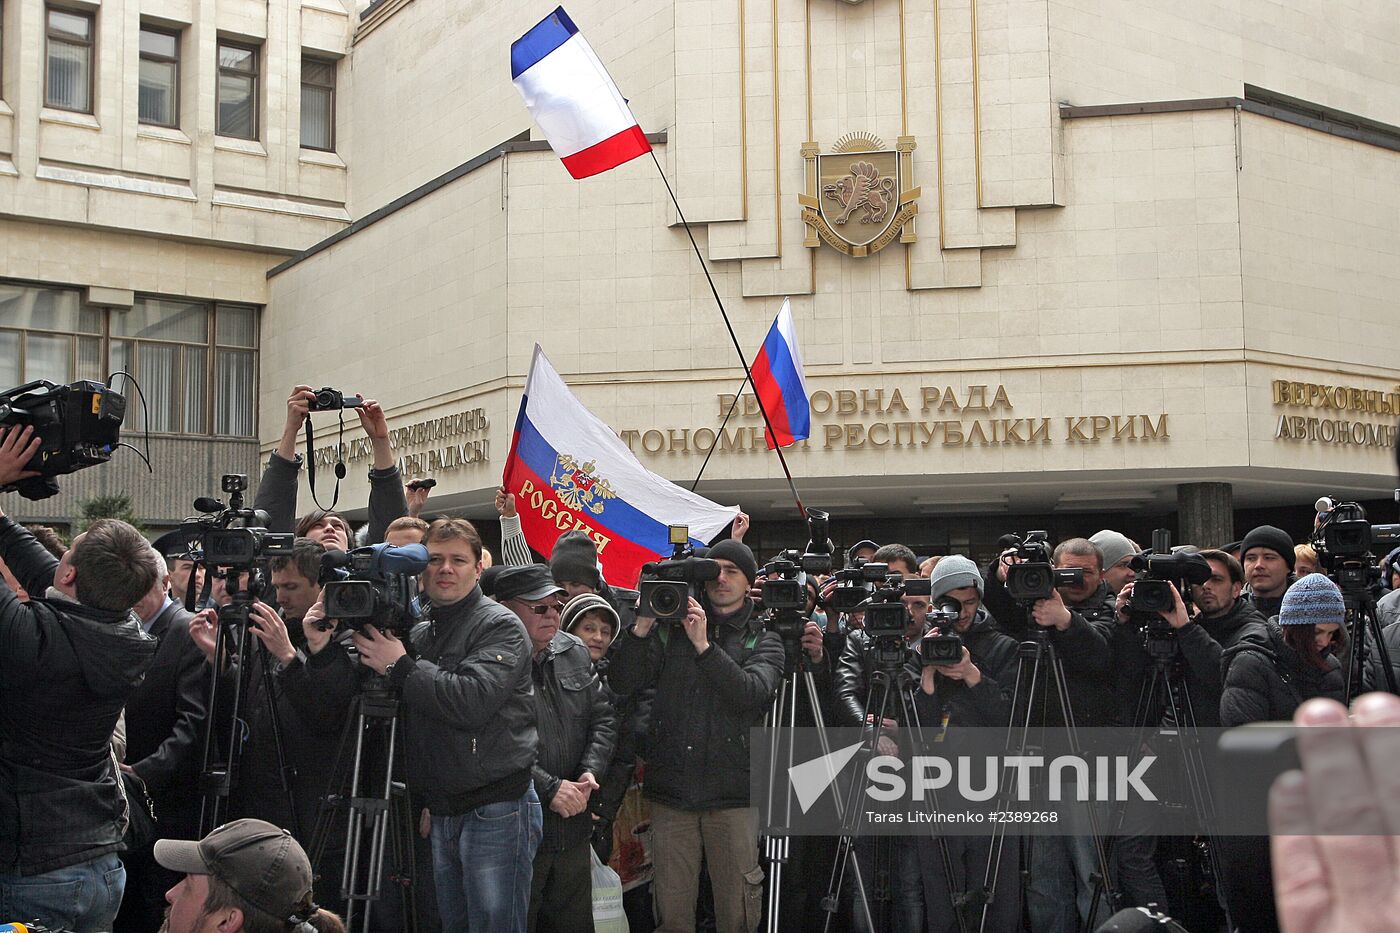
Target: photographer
{"type": "Point", "coordinates": [277, 490]}
{"type": "Point", "coordinates": [165, 719]}
{"type": "Point", "coordinates": [69, 662]}
{"type": "Point", "coordinates": [855, 673]}
{"type": "Point", "coordinates": [974, 692]}
{"type": "Point", "coordinates": [1118, 552]}
{"type": "Point", "coordinates": [712, 686]}
{"type": "Point", "coordinates": [471, 736]}
{"type": "Point", "coordinates": [578, 731]}
{"type": "Point", "coordinates": [313, 680]}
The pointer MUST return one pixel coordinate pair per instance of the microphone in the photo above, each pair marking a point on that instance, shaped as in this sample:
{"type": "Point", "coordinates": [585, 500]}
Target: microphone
{"type": "Point", "coordinates": [203, 504]}
{"type": "Point", "coordinates": [1324, 504]}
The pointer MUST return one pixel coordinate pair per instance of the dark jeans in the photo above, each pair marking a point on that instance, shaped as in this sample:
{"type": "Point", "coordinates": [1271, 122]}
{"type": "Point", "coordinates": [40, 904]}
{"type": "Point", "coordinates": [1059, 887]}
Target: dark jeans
{"type": "Point", "coordinates": [81, 898]}
{"type": "Point", "coordinates": [561, 892]}
{"type": "Point", "coordinates": [889, 866]}
{"type": "Point", "coordinates": [482, 864]}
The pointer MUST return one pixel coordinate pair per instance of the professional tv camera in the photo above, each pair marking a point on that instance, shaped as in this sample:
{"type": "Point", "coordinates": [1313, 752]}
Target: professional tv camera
{"type": "Point", "coordinates": [1343, 538]}
{"type": "Point", "coordinates": [232, 541]}
{"type": "Point", "coordinates": [887, 619]}
{"type": "Point", "coordinates": [666, 585]}
{"type": "Point", "coordinates": [1035, 577]}
{"type": "Point", "coordinates": [375, 585]}
{"type": "Point", "coordinates": [783, 577]}
{"type": "Point", "coordinates": [78, 425]}
{"type": "Point", "coordinates": [855, 585]}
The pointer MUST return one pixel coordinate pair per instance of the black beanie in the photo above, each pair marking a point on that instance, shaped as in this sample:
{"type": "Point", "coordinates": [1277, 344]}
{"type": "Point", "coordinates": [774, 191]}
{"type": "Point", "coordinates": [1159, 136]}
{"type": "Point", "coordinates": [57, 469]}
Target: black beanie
{"type": "Point", "coordinates": [575, 560]}
{"type": "Point", "coordinates": [1275, 539]}
{"type": "Point", "coordinates": [739, 553]}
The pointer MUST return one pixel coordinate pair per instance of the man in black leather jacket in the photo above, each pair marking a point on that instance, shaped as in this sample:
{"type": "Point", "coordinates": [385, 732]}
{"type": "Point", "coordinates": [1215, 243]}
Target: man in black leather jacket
{"type": "Point", "coordinates": [470, 721]}
{"type": "Point", "coordinates": [69, 661]}
{"type": "Point", "coordinates": [578, 731]}
{"type": "Point", "coordinates": [715, 675]}
{"type": "Point", "coordinates": [164, 723]}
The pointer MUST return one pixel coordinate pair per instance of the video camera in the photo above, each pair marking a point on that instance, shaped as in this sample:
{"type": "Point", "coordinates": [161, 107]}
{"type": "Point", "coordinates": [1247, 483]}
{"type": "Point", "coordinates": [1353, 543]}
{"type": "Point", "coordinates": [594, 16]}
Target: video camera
{"type": "Point", "coordinates": [328, 399]}
{"type": "Point", "coordinates": [783, 588]}
{"type": "Point", "coordinates": [1035, 577]}
{"type": "Point", "coordinates": [941, 645]}
{"type": "Point", "coordinates": [232, 536]}
{"type": "Point", "coordinates": [375, 585]}
{"type": "Point", "coordinates": [78, 425]}
{"type": "Point", "coordinates": [1343, 540]}
{"type": "Point", "coordinates": [1156, 575]}
{"type": "Point", "coordinates": [665, 586]}
{"type": "Point", "coordinates": [855, 585]}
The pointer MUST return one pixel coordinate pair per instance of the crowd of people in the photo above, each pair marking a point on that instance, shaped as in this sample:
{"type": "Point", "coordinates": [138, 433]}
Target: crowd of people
{"type": "Point", "coordinates": [536, 706]}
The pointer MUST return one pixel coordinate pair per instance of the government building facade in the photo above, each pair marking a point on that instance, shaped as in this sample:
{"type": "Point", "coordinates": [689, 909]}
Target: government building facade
{"type": "Point", "coordinates": [1053, 263]}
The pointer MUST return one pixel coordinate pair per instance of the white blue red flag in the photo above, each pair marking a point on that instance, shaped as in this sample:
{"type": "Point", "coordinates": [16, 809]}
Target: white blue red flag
{"type": "Point", "coordinates": [780, 385]}
{"type": "Point", "coordinates": [570, 471]}
{"type": "Point", "coordinates": [572, 99]}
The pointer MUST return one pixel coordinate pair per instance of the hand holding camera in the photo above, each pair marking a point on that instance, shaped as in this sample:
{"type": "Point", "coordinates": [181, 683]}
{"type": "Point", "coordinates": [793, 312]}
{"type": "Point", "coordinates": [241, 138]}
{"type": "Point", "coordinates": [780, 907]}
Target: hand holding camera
{"type": "Point", "coordinates": [697, 627]}
{"type": "Point", "coordinates": [378, 649]}
{"type": "Point", "coordinates": [1051, 612]}
{"type": "Point", "coordinates": [1176, 617]}
{"type": "Point", "coordinates": [318, 629]}
{"type": "Point", "coordinates": [17, 447]}
{"type": "Point", "coordinates": [812, 641]}
{"type": "Point", "coordinates": [268, 628]}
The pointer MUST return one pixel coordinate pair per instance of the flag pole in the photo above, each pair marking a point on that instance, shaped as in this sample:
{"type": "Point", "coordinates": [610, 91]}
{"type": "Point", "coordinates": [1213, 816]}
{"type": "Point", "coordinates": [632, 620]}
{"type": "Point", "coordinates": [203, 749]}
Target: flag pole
{"type": "Point", "coordinates": [727, 415]}
{"type": "Point", "coordinates": [743, 360]}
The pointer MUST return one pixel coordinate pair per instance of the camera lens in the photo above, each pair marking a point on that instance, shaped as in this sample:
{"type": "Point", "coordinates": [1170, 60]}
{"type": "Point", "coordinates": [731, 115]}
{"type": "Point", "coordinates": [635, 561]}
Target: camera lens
{"type": "Point", "coordinates": [665, 601]}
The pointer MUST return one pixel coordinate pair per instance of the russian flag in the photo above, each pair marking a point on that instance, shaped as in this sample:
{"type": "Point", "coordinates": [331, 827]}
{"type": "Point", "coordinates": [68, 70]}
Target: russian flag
{"type": "Point", "coordinates": [572, 99]}
{"type": "Point", "coordinates": [571, 471]}
{"type": "Point", "coordinates": [779, 383]}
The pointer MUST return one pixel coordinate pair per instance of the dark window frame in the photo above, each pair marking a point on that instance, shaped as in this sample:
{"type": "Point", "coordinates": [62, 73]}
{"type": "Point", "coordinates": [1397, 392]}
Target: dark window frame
{"type": "Point", "coordinates": [254, 75]}
{"type": "Point", "coordinates": [335, 75]}
{"type": "Point", "coordinates": [143, 55]}
{"type": "Point", "coordinates": [90, 44]}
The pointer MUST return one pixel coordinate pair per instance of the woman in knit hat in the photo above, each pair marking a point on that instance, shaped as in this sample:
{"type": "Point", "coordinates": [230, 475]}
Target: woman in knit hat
{"type": "Point", "coordinates": [592, 620]}
{"type": "Point", "coordinates": [1267, 683]}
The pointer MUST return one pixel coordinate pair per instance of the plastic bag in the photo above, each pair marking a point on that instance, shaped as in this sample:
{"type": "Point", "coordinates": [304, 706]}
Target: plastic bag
{"type": "Point", "coordinates": [608, 916]}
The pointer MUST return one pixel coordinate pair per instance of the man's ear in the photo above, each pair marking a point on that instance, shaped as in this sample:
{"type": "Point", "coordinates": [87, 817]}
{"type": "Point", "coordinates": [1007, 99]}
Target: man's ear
{"type": "Point", "coordinates": [64, 576]}
{"type": "Point", "coordinates": [230, 920]}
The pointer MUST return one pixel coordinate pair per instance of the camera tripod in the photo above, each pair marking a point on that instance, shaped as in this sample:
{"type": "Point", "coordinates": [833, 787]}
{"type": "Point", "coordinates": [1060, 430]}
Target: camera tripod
{"type": "Point", "coordinates": [1039, 669]}
{"type": "Point", "coordinates": [1166, 697]}
{"type": "Point", "coordinates": [1364, 627]}
{"type": "Point", "coordinates": [797, 681]}
{"type": "Point", "coordinates": [218, 777]}
{"type": "Point", "coordinates": [887, 681]}
{"type": "Point", "coordinates": [379, 816]}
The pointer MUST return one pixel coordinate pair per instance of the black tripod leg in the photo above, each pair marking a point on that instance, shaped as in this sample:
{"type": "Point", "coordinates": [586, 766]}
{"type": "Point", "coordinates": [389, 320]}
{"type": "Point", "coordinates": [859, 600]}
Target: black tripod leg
{"type": "Point", "coordinates": [285, 771]}
{"type": "Point", "coordinates": [955, 897]}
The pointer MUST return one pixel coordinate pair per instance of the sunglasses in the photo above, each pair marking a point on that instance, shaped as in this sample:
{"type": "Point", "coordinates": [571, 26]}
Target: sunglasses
{"type": "Point", "coordinates": [544, 607]}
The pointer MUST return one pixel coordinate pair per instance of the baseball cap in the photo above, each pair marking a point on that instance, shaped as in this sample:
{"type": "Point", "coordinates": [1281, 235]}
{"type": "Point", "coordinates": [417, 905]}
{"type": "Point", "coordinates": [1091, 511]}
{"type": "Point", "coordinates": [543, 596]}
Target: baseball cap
{"type": "Point", "coordinates": [260, 862]}
{"type": "Point", "coordinates": [528, 583]}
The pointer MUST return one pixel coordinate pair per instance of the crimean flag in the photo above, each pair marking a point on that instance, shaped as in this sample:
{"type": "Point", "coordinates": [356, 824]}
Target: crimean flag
{"type": "Point", "coordinates": [780, 385]}
{"type": "Point", "coordinates": [571, 471]}
{"type": "Point", "coordinates": [572, 99]}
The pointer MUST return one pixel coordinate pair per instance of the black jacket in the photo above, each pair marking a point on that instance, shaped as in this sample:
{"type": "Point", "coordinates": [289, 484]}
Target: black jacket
{"type": "Point", "coordinates": [1202, 645]}
{"type": "Point", "coordinates": [1267, 683]}
{"type": "Point", "coordinates": [165, 724]}
{"type": "Point", "coordinates": [987, 704]}
{"type": "Point", "coordinates": [855, 670]}
{"type": "Point", "coordinates": [1083, 650]}
{"type": "Point", "coordinates": [633, 719]}
{"type": "Point", "coordinates": [277, 495]}
{"type": "Point", "coordinates": [468, 707]}
{"type": "Point", "coordinates": [68, 671]}
{"type": "Point", "coordinates": [578, 731]}
{"type": "Point", "coordinates": [697, 747]}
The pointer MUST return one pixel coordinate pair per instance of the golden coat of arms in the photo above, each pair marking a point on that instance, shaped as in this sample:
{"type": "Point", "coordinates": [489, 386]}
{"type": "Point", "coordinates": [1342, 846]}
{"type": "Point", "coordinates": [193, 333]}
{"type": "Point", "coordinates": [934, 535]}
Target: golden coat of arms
{"type": "Point", "coordinates": [856, 199]}
{"type": "Point", "coordinates": [579, 487]}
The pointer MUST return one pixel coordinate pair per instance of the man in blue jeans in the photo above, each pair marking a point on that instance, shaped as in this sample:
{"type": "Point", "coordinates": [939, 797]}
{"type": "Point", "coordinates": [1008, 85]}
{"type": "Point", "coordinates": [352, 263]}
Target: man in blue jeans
{"type": "Point", "coordinates": [69, 659]}
{"type": "Point", "coordinates": [471, 734]}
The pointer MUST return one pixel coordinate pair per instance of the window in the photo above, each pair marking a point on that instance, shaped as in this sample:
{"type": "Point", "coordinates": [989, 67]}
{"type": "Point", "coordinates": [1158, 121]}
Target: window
{"type": "Point", "coordinates": [69, 84]}
{"type": "Point", "coordinates": [238, 91]}
{"type": "Point", "coordinates": [158, 93]}
{"type": "Point", "coordinates": [195, 361]}
{"type": "Point", "coordinates": [317, 104]}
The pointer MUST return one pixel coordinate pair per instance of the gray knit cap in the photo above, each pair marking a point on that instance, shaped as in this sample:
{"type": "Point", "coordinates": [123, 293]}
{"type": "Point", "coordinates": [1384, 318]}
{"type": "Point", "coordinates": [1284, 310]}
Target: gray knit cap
{"type": "Point", "coordinates": [1115, 547]}
{"type": "Point", "coordinates": [952, 573]}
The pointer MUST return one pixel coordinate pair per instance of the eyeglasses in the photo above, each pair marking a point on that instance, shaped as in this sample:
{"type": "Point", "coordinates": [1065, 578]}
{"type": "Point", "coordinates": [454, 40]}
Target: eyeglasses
{"type": "Point", "coordinates": [544, 607]}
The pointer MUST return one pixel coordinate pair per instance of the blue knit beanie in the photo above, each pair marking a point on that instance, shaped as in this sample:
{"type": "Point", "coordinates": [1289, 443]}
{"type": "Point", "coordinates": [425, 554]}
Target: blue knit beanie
{"type": "Point", "coordinates": [1312, 600]}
